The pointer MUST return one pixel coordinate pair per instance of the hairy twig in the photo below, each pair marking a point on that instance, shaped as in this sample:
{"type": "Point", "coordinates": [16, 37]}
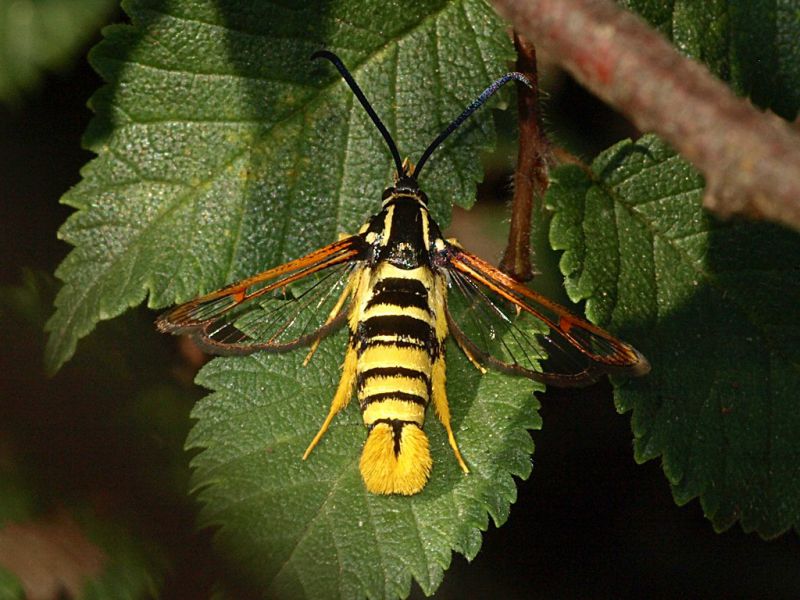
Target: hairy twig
{"type": "Point", "coordinates": [751, 160]}
{"type": "Point", "coordinates": [530, 176]}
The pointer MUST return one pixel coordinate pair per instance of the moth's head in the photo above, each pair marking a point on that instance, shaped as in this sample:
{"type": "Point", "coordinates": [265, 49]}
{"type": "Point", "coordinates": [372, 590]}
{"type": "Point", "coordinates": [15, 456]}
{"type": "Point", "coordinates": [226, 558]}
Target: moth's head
{"type": "Point", "coordinates": [407, 174]}
{"type": "Point", "coordinates": [405, 187]}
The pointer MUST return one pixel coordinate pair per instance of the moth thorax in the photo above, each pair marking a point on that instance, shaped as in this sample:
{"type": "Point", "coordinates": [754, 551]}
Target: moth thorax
{"type": "Point", "coordinates": [396, 459]}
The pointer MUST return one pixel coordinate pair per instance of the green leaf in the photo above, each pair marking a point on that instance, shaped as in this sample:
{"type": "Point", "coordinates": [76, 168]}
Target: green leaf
{"type": "Point", "coordinates": [40, 36]}
{"type": "Point", "coordinates": [753, 45]}
{"type": "Point", "coordinates": [309, 528]}
{"type": "Point", "coordinates": [222, 150]}
{"type": "Point", "coordinates": [720, 303]}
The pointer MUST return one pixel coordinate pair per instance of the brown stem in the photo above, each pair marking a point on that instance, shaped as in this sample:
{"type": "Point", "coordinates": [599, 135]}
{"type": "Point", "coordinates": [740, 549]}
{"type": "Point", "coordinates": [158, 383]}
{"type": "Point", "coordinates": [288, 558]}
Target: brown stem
{"type": "Point", "coordinates": [530, 177]}
{"type": "Point", "coordinates": [751, 160]}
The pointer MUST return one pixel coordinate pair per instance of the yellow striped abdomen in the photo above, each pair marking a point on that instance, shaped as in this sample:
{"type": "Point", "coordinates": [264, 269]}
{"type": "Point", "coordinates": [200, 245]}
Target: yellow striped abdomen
{"type": "Point", "coordinates": [396, 347]}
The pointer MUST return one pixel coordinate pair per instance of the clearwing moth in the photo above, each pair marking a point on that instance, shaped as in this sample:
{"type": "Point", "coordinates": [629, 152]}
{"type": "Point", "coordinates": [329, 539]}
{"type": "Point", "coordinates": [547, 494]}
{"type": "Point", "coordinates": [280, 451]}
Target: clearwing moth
{"type": "Point", "coordinates": [402, 289]}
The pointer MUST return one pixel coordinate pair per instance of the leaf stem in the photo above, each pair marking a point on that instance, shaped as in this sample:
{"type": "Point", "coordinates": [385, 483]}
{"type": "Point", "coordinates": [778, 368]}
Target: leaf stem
{"type": "Point", "coordinates": [751, 159]}
{"type": "Point", "coordinates": [531, 174]}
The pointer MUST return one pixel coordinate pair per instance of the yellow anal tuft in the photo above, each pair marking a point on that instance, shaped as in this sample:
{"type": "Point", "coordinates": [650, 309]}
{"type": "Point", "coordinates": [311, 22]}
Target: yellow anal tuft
{"type": "Point", "coordinates": [404, 472]}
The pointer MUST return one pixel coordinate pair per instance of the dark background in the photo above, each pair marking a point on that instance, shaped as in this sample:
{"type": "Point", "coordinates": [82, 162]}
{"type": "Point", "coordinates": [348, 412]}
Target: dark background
{"type": "Point", "coordinates": [588, 523]}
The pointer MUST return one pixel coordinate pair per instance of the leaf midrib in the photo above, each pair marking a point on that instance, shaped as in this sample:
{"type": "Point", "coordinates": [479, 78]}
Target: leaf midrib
{"type": "Point", "coordinates": [68, 321]}
{"type": "Point", "coordinates": [286, 121]}
{"type": "Point", "coordinates": [655, 233]}
{"type": "Point", "coordinates": [719, 289]}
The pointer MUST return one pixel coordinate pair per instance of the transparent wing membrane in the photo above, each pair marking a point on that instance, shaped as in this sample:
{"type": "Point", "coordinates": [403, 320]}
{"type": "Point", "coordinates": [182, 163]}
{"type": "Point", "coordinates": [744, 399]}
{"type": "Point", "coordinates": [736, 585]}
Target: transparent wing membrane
{"type": "Point", "coordinates": [282, 319]}
{"type": "Point", "coordinates": [507, 326]}
{"type": "Point", "coordinates": [282, 308]}
{"type": "Point", "coordinates": [494, 327]}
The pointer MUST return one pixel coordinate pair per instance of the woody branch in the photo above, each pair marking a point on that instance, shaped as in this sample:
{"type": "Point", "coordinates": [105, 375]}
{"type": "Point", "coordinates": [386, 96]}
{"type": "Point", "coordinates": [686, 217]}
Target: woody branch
{"type": "Point", "coordinates": [750, 159]}
{"type": "Point", "coordinates": [531, 174]}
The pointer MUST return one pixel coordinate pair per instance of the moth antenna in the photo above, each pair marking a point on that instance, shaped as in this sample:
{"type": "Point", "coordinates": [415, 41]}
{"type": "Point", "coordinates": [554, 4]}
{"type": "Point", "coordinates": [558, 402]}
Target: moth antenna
{"type": "Point", "coordinates": [337, 62]}
{"type": "Point", "coordinates": [475, 105]}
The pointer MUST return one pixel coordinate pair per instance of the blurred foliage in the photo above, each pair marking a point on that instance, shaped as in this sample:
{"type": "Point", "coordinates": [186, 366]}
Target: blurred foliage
{"type": "Point", "coordinates": [37, 36]}
{"type": "Point", "coordinates": [68, 513]}
{"type": "Point", "coordinates": [102, 442]}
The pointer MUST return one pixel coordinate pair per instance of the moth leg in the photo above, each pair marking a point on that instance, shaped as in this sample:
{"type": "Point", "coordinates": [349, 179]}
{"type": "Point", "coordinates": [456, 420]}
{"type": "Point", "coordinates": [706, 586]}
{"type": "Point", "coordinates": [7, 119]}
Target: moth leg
{"type": "Point", "coordinates": [439, 394]}
{"type": "Point", "coordinates": [470, 355]}
{"type": "Point", "coordinates": [333, 314]}
{"type": "Point", "coordinates": [438, 373]}
{"type": "Point", "coordinates": [342, 396]}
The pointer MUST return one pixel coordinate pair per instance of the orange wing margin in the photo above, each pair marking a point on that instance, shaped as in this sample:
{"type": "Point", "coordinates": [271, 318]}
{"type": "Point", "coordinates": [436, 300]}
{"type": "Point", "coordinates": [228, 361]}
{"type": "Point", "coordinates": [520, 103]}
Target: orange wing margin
{"type": "Point", "coordinates": [600, 352]}
{"type": "Point", "coordinates": [215, 319]}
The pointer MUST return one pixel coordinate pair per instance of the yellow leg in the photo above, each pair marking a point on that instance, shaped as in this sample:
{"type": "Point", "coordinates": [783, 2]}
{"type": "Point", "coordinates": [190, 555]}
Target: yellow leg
{"type": "Point", "coordinates": [311, 351]}
{"type": "Point", "coordinates": [334, 313]}
{"type": "Point", "coordinates": [472, 359]}
{"type": "Point", "coordinates": [342, 397]}
{"type": "Point", "coordinates": [438, 375]}
{"type": "Point", "coordinates": [443, 409]}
